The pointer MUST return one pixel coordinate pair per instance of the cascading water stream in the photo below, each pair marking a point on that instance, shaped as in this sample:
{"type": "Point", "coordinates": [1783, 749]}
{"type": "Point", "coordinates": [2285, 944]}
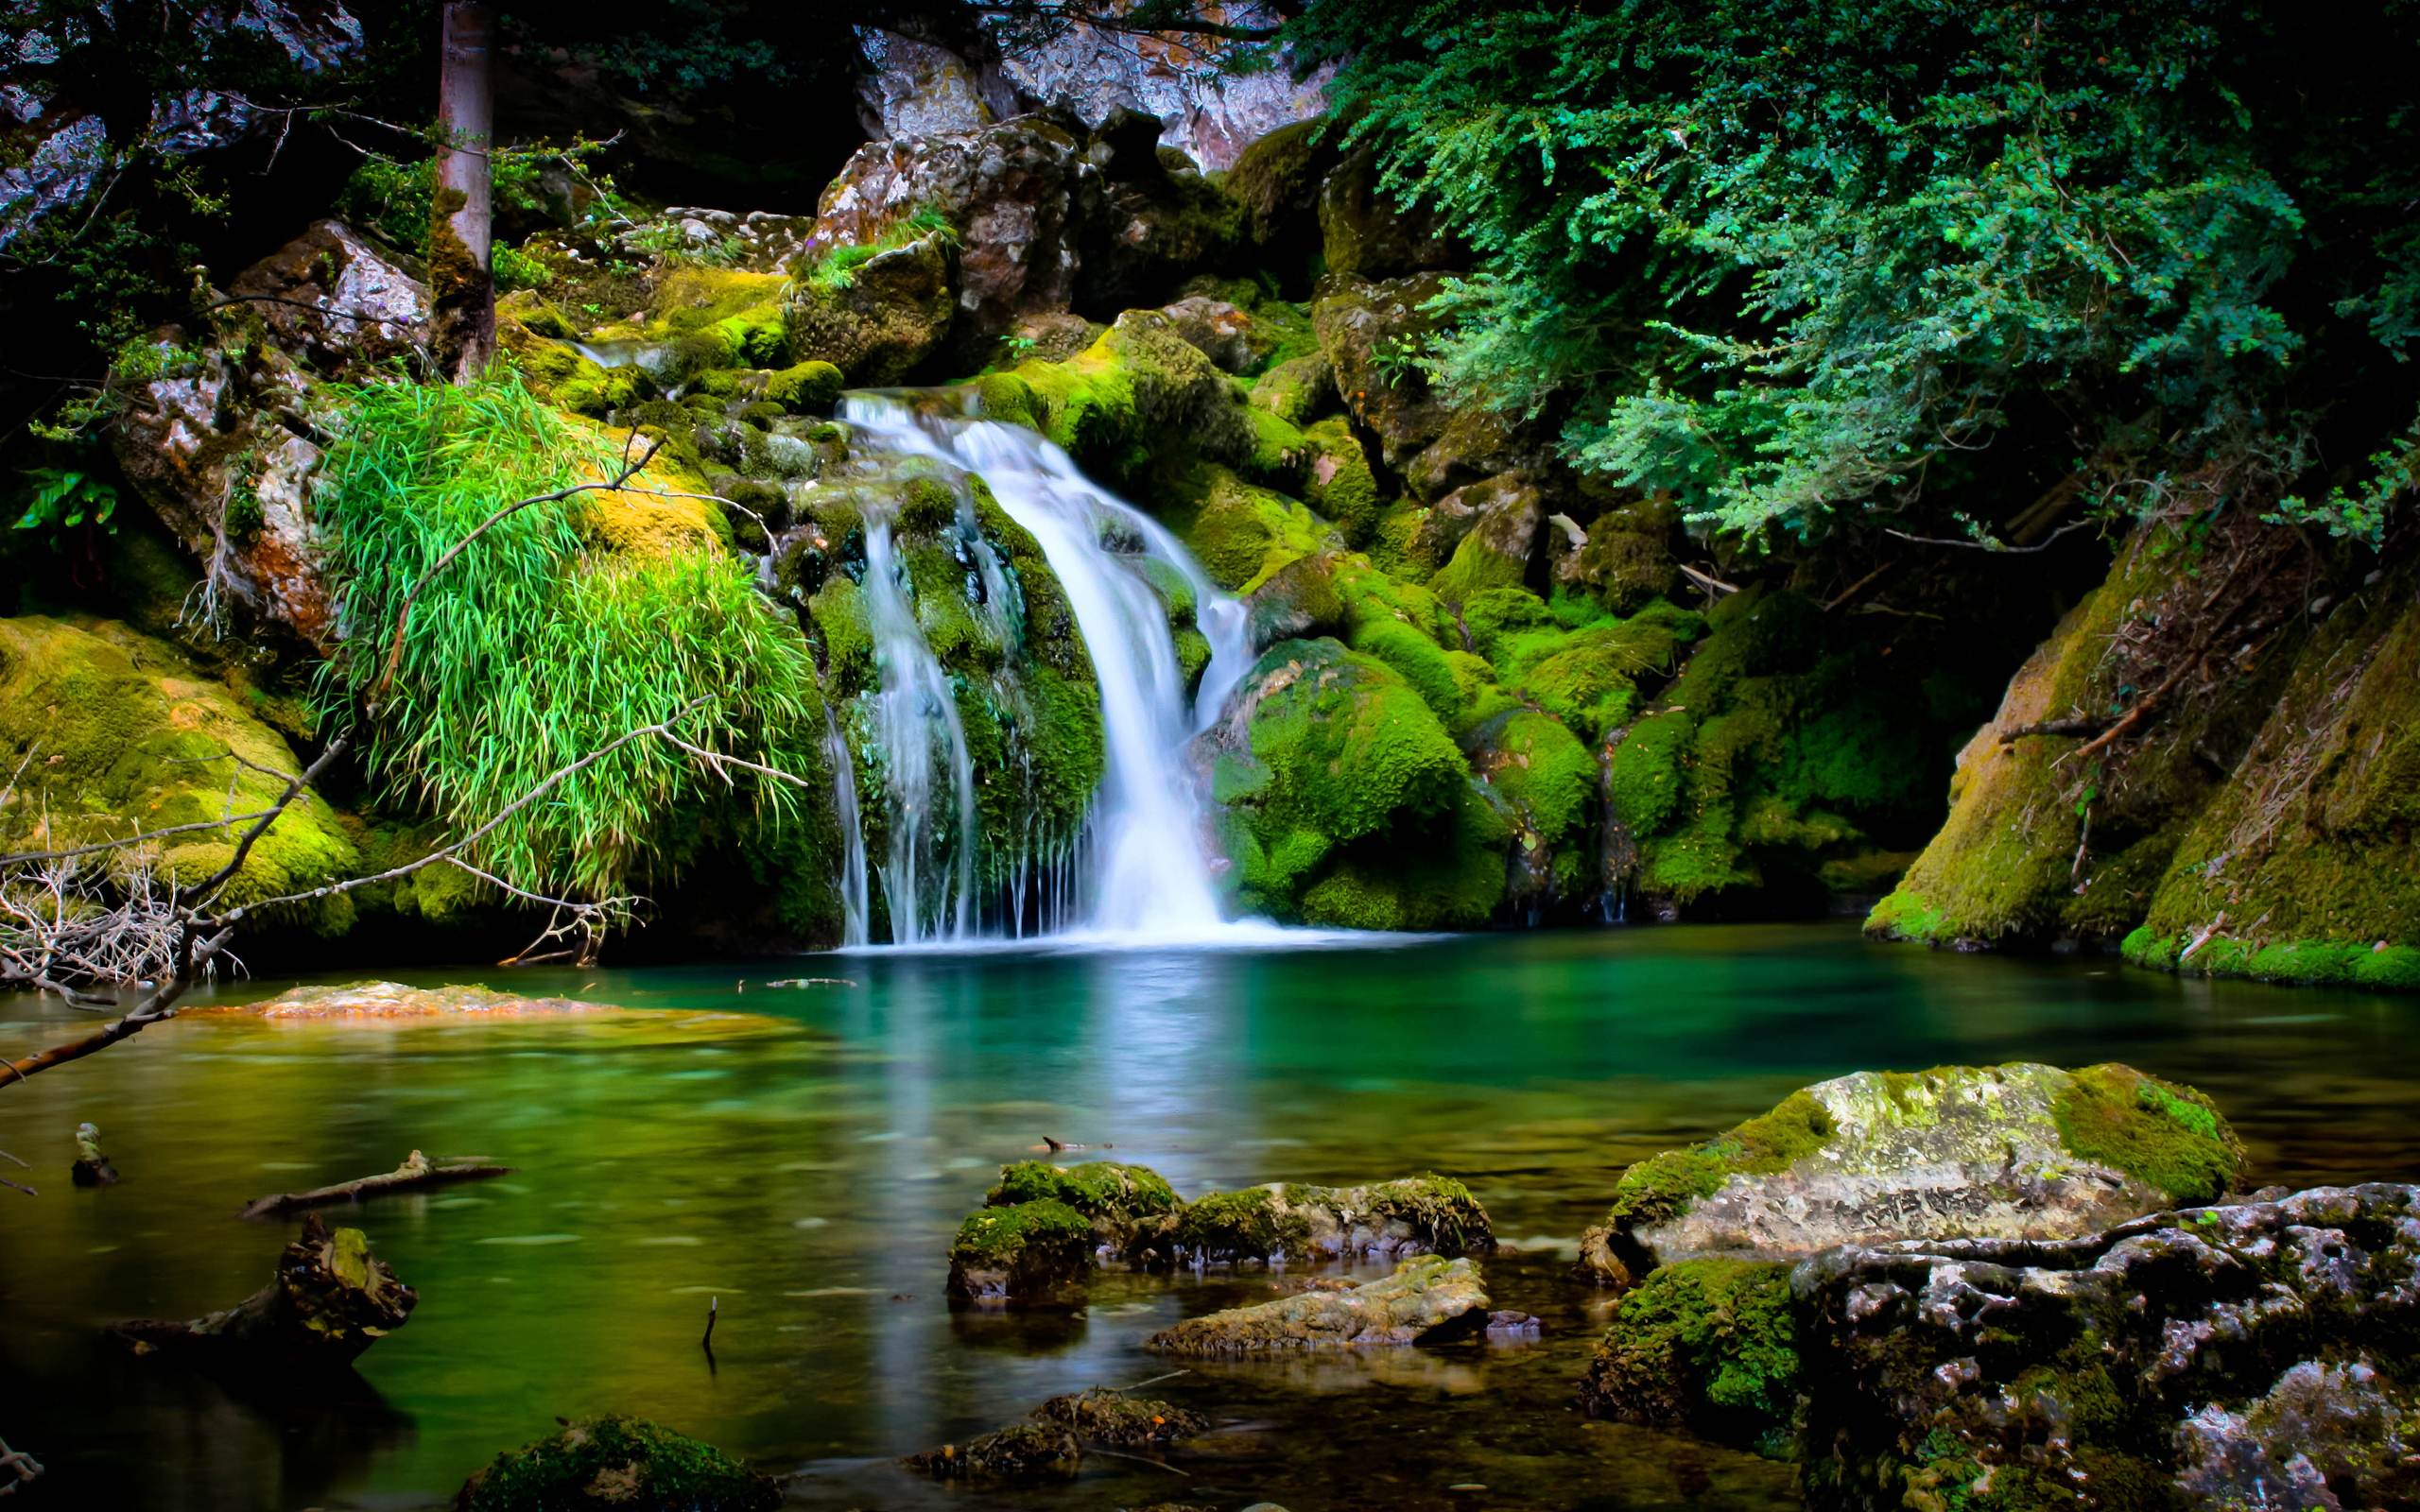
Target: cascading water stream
{"type": "Point", "coordinates": [1148, 875]}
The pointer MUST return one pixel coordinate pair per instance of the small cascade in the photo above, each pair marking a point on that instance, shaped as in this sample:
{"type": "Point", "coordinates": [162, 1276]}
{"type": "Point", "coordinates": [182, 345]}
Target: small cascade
{"type": "Point", "coordinates": [856, 916]}
{"type": "Point", "coordinates": [927, 874]}
{"type": "Point", "coordinates": [1140, 870]}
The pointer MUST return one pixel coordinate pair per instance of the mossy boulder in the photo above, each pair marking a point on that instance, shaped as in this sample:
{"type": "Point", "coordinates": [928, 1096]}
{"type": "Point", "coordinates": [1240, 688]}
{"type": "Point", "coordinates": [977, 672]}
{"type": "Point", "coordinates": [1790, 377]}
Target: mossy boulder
{"type": "Point", "coordinates": [1366, 234]}
{"type": "Point", "coordinates": [2018, 1152]}
{"type": "Point", "coordinates": [1709, 1345]}
{"type": "Point", "coordinates": [884, 318]}
{"type": "Point", "coordinates": [1503, 523]}
{"type": "Point", "coordinates": [617, 1462]}
{"type": "Point", "coordinates": [1538, 775]}
{"type": "Point", "coordinates": [806, 388]}
{"type": "Point", "coordinates": [1134, 394]}
{"type": "Point", "coordinates": [120, 735]}
{"type": "Point", "coordinates": [1339, 481]}
{"type": "Point", "coordinates": [1385, 1220]}
{"type": "Point", "coordinates": [1476, 444]}
{"type": "Point", "coordinates": [1369, 333]}
{"type": "Point", "coordinates": [1119, 1201]}
{"type": "Point", "coordinates": [1326, 748]}
{"type": "Point", "coordinates": [1298, 391]}
{"type": "Point", "coordinates": [1428, 1297]}
{"type": "Point", "coordinates": [1226, 335]}
{"type": "Point", "coordinates": [1277, 180]}
{"type": "Point", "coordinates": [1027, 1254]}
{"type": "Point", "coordinates": [1243, 534]}
{"type": "Point", "coordinates": [2215, 1358]}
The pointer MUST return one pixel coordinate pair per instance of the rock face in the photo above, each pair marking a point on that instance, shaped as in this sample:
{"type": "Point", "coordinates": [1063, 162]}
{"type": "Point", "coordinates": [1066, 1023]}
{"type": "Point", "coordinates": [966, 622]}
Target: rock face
{"type": "Point", "coordinates": [2016, 1152]}
{"type": "Point", "coordinates": [2253, 820]}
{"type": "Point", "coordinates": [1425, 1297]}
{"type": "Point", "coordinates": [617, 1461]}
{"type": "Point", "coordinates": [217, 445]}
{"type": "Point", "coordinates": [2253, 1355]}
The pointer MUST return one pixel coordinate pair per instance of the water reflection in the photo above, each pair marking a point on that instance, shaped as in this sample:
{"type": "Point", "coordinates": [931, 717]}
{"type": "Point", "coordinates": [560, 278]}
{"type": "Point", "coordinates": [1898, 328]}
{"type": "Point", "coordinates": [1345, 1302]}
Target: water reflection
{"type": "Point", "coordinates": [807, 1167]}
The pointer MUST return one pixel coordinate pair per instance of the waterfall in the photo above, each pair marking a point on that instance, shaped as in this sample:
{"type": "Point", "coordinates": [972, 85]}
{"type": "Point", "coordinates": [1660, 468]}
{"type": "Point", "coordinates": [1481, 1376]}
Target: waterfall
{"type": "Point", "coordinates": [1143, 870]}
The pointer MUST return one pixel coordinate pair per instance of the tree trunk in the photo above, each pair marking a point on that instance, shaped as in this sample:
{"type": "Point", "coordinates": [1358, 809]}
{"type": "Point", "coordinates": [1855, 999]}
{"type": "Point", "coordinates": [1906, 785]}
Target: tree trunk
{"type": "Point", "coordinates": [330, 1299]}
{"type": "Point", "coordinates": [460, 232]}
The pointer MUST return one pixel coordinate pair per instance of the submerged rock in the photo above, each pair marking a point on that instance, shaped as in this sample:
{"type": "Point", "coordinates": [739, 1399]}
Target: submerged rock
{"type": "Point", "coordinates": [392, 999]}
{"type": "Point", "coordinates": [2016, 1152]}
{"type": "Point", "coordinates": [1106, 1416]}
{"type": "Point", "coordinates": [1029, 1451]}
{"type": "Point", "coordinates": [623, 1462]}
{"type": "Point", "coordinates": [1427, 1298]}
{"type": "Point", "coordinates": [2252, 1355]}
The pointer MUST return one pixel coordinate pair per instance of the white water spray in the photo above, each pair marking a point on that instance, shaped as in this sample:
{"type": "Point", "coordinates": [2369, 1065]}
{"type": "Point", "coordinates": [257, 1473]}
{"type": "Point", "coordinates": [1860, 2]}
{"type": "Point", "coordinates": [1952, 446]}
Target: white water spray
{"type": "Point", "coordinates": [1151, 878]}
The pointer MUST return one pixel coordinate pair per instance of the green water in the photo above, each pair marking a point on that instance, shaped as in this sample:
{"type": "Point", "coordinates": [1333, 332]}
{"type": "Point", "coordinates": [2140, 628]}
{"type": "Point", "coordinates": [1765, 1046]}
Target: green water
{"type": "Point", "coordinates": [807, 1169]}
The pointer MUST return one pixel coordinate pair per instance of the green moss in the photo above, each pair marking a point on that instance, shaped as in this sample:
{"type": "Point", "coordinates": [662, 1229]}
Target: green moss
{"type": "Point", "coordinates": [1000, 1238]}
{"type": "Point", "coordinates": [1242, 535]}
{"type": "Point", "coordinates": [1706, 1343]}
{"type": "Point", "coordinates": [617, 1461]}
{"type": "Point", "coordinates": [1009, 399]}
{"type": "Point", "coordinates": [1657, 1191]}
{"type": "Point", "coordinates": [1420, 661]}
{"type": "Point", "coordinates": [810, 388]}
{"type": "Point", "coordinates": [1280, 455]}
{"type": "Point", "coordinates": [1904, 913]}
{"type": "Point", "coordinates": [2171, 1135]}
{"type": "Point", "coordinates": [1298, 391]}
{"type": "Point", "coordinates": [121, 734]}
{"type": "Point", "coordinates": [1475, 568]}
{"type": "Point", "coordinates": [1339, 483]}
{"type": "Point", "coordinates": [1439, 1209]}
{"type": "Point", "coordinates": [1536, 766]}
{"type": "Point", "coordinates": [1451, 876]}
{"type": "Point", "coordinates": [1246, 1225]}
{"type": "Point", "coordinates": [1095, 1189]}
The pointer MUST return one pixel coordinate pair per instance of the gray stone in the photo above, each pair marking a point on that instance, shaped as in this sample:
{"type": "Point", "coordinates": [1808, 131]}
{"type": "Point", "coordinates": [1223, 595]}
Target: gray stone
{"type": "Point", "coordinates": [1425, 1296]}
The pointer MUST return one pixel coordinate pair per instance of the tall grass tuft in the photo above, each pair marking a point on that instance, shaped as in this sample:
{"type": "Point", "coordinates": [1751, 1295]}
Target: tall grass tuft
{"type": "Point", "coordinates": [529, 654]}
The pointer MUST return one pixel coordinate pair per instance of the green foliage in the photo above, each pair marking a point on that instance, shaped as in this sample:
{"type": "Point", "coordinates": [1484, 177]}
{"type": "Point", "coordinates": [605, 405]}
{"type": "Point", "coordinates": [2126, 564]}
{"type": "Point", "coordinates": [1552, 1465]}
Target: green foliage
{"type": "Point", "coordinates": [2171, 1135]}
{"type": "Point", "coordinates": [525, 655]}
{"type": "Point", "coordinates": [835, 268]}
{"type": "Point", "coordinates": [57, 500]}
{"type": "Point", "coordinates": [2361, 513]}
{"type": "Point", "coordinates": [1782, 261]}
{"type": "Point", "coordinates": [516, 269]}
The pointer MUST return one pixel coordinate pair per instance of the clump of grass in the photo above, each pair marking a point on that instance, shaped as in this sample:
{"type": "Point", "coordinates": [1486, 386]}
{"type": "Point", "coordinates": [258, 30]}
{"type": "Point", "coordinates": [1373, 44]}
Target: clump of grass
{"type": "Point", "coordinates": [836, 268]}
{"type": "Point", "coordinates": [527, 655]}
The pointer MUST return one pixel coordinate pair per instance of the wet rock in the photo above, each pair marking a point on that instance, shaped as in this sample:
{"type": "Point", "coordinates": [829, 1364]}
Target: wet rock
{"type": "Point", "coordinates": [1624, 558]}
{"type": "Point", "coordinates": [1508, 1327]}
{"type": "Point", "coordinates": [1369, 333]}
{"type": "Point", "coordinates": [1427, 1298]}
{"type": "Point", "coordinates": [912, 88]}
{"type": "Point", "coordinates": [891, 313]}
{"type": "Point", "coordinates": [1103, 1414]}
{"type": "Point", "coordinates": [1018, 194]}
{"type": "Point", "coordinates": [1225, 335]}
{"type": "Point", "coordinates": [1120, 1202]}
{"type": "Point", "coordinates": [2014, 1152]}
{"type": "Point", "coordinates": [1475, 444]}
{"type": "Point", "coordinates": [617, 1462]}
{"type": "Point", "coordinates": [1298, 391]}
{"type": "Point", "coordinates": [1708, 1344]}
{"type": "Point", "coordinates": [1027, 1254]}
{"type": "Point", "coordinates": [1501, 525]}
{"type": "Point", "coordinates": [1366, 234]}
{"type": "Point", "coordinates": [220, 445]}
{"type": "Point", "coordinates": [1026, 1452]}
{"type": "Point", "coordinates": [2259, 1354]}
{"type": "Point", "coordinates": [1155, 227]}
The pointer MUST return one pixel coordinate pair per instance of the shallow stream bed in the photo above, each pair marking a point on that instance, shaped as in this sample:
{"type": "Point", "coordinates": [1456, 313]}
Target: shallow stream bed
{"type": "Point", "coordinates": [805, 1171]}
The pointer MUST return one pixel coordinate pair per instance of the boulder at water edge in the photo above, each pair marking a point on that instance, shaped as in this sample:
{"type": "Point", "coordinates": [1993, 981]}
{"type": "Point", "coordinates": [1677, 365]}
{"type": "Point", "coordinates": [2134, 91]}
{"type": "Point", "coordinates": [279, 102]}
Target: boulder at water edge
{"type": "Point", "coordinates": [1032, 1242]}
{"type": "Point", "coordinates": [2019, 1152]}
{"type": "Point", "coordinates": [1426, 1298]}
{"type": "Point", "coordinates": [2257, 1355]}
{"type": "Point", "coordinates": [623, 1462]}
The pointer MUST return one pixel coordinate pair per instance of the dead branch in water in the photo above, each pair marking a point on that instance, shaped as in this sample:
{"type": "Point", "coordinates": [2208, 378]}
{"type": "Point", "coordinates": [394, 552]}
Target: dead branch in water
{"type": "Point", "coordinates": [417, 1173]}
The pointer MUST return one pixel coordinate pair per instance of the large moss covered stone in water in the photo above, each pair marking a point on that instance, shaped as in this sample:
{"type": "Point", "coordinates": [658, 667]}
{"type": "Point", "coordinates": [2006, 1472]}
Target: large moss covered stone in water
{"type": "Point", "coordinates": [1024, 1254]}
{"type": "Point", "coordinates": [1425, 1296]}
{"type": "Point", "coordinates": [1117, 1201]}
{"type": "Point", "coordinates": [626, 1464]}
{"type": "Point", "coordinates": [2019, 1151]}
{"type": "Point", "coordinates": [2266, 1354]}
{"type": "Point", "coordinates": [121, 735]}
{"type": "Point", "coordinates": [1417, 1216]}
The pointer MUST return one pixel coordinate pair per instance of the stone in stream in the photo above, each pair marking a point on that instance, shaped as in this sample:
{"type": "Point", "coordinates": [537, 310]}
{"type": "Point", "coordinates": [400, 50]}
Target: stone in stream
{"type": "Point", "coordinates": [2262, 1354]}
{"type": "Point", "coordinates": [1107, 1416]}
{"type": "Point", "coordinates": [1427, 1299]}
{"type": "Point", "coordinates": [1032, 1242]}
{"type": "Point", "coordinates": [617, 1462]}
{"type": "Point", "coordinates": [2019, 1152]}
{"type": "Point", "coordinates": [1029, 1451]}
{"type": "Point", "coordinates": [1383, 1220]}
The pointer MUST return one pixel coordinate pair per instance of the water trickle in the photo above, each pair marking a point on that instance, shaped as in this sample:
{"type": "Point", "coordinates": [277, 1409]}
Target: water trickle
{"type": "Point", "coordinates": [1141, 871]}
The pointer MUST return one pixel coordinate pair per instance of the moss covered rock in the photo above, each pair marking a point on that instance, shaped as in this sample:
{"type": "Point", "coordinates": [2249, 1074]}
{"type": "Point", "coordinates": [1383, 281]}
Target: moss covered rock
{"type": "Point", "coordinates": [1119, 1201]}
{"type": "Point", "coordinates": [1370, 332]}
{"type": "Point", "coordinates": [888, 316]}
{"type": "Point", "coordinates": [1137, 392]}
{"type": "Point", "coordinates": [617, 1462]}
{"type": "Point", "coordinates": [1277, 180]}
{"type": "Point", "coordinates": [1709, 1345]}
{"type": "Point", "coordinates": [1028, 1453]}
{"type": "Point", "coordinates": [2214, 1358]}
{"type": "Point", "coordinates": [1500, 532]}
{"type": "Point", "coordinates": [1365, 233]}
{"type": "Point", "coordinates": [1417, 1216]}
{"type": "Point", "coordinates": [121, 734]}
{"type": "Point", "coordinates": [1027, 1254]}
{"type": "Point", "coordinates": [2019, 1151]}
{"type": "Point", "coordinates": [1298, 391]}
{"type": "Point", "coordinates": [1104, 1414]}
{"type": "Point", "coordinates": [1243, 534]}
{"type": "Point", "coordinates": [807, 388]}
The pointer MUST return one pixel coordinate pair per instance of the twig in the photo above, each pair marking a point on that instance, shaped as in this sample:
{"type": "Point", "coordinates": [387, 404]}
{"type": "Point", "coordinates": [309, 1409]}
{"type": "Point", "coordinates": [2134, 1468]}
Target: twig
{"type": "Point", "coordinates": [1139, 1460]}
{"type": "Point", "coordinates": [1990, 543]}
{"type": "Point", "coordinates": [415, 1175]}
{"type": "Point", "coordinates": [1707, 581]}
